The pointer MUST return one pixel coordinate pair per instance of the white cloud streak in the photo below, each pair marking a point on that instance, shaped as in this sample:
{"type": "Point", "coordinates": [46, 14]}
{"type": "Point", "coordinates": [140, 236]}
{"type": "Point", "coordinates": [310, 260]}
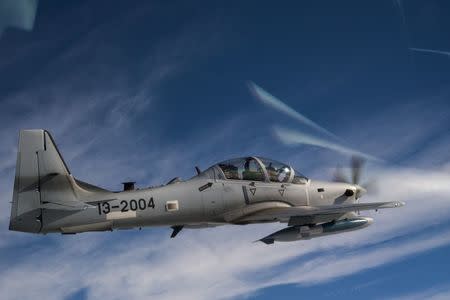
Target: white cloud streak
{"type": "Point", "coordinates": [401, 10]}
{"type": "Point", "coordinates": [329, 267]}
{"type": "Point", "coordinates": [292, 137]}
{"type": "Point", "coordinates": [216, 263]}
{"type": "Point", "coordinates": [446, 53]}
{"type": "Point", "coordinates": [435, 293]}
{"type": "Point", "coordinates": [90, 107]}
{"type": "Point", "coordinates": [222, 262]}
{"type": "Point", "coordinates": [219, 263]}
{"type": "Point", "coordinates": [271, 101]}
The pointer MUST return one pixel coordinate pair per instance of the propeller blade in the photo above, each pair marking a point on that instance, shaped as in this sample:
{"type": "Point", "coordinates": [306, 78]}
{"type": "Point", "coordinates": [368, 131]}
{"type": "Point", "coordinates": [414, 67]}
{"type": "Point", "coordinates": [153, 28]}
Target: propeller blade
{"type": "Point", "coordinates": [360, 191]}
{"type": "Point", "coordinates": [356, 164]}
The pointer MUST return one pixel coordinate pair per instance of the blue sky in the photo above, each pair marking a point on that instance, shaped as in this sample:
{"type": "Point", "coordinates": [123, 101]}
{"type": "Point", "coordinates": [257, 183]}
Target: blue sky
{"type": "Point", "coordinates": [148, 90]}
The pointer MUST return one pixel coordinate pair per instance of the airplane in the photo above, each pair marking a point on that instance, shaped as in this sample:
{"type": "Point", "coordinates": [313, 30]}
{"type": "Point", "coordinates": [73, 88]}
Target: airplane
{"type": "Point", "coordinates": [47, 198]}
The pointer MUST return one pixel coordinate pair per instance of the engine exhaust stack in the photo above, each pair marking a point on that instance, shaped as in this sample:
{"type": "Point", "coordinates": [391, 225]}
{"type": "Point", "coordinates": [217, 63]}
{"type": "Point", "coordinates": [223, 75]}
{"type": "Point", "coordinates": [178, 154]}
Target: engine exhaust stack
{"type": "Point", "coordinates": [128, 186]}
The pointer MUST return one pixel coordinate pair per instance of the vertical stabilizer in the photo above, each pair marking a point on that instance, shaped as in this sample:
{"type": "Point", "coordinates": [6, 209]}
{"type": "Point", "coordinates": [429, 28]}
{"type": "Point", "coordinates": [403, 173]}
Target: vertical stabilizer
{"type": "Point", "coordinates": [42, 178]}
{"type": "Point", "coordinates": [25, 211]}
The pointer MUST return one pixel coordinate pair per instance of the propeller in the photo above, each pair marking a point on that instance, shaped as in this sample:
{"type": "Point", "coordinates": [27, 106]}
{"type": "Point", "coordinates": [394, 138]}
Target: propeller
{"type": "Point", "coordinates": [356, 164]}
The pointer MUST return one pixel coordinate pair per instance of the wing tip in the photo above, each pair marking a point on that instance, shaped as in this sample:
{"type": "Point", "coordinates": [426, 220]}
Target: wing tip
{"type": "Point", "coordinates": [393, 204]}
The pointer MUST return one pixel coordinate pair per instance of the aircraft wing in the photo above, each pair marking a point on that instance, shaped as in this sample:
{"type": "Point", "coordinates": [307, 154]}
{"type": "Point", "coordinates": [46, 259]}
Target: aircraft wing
{"type": "Point", "coordinates": [301, 215]}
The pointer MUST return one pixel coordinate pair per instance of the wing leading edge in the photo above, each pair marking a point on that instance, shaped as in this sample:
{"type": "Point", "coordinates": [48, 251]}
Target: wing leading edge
{"type": "Point", "coordinates": [300, 215]}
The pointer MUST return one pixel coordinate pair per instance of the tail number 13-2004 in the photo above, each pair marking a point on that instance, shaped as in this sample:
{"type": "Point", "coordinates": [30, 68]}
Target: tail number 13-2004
{"type": "Point", "coordinates": [124, 206]}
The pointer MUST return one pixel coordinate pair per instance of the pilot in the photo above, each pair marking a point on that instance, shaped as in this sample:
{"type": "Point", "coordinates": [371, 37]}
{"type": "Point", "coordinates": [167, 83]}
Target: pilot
{"type": "Point", "coordinates": [272, 172]}
{"type": "Point", "coordinates": [248, 173]}
{"type": "Point", "coordinates": [282, 174]}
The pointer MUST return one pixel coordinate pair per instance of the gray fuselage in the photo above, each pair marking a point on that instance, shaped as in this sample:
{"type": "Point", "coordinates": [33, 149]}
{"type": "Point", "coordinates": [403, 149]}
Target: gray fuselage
{"type": "Point", "coordinates": [199, 202]}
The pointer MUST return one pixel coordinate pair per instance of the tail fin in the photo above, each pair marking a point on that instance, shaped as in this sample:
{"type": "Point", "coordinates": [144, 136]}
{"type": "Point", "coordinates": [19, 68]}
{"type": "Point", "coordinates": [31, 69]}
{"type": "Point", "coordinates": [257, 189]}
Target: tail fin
{"type": "Point", "coordinates": [42, 179]}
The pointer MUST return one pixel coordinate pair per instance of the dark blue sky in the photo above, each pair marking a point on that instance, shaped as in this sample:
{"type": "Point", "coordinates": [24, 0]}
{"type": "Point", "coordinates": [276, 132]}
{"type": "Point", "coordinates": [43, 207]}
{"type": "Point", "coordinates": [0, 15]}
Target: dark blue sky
{"type": "Point", "coordinates": [348, 54]}
{"type": "Point", "coordinates": [147, 90]}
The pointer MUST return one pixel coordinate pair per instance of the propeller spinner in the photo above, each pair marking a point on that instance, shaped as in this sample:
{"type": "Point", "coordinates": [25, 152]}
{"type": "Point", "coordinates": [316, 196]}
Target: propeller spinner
{"type": "Point", "coordinates": [356, 164]}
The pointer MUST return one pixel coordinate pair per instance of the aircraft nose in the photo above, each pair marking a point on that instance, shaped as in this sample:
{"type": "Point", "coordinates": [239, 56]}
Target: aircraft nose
{"type": "Point", "coordinates": [355, 190]}
{"type": "Point", "coordinates": [360, 191]}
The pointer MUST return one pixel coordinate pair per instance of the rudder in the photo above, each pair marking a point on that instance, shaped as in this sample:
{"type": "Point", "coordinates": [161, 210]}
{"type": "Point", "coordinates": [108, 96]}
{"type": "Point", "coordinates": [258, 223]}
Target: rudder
{"type": "Point", "coordinates": [41, 177]}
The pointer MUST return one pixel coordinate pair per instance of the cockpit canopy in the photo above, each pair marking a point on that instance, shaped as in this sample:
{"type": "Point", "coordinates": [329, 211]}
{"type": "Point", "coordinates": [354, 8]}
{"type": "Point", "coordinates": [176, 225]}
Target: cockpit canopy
{"type": "Point", "coordinates": [257, 169]}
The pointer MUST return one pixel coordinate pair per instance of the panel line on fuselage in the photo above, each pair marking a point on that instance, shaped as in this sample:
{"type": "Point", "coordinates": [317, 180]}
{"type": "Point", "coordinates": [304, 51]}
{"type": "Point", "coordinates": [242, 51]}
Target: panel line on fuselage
{"type": "Point", "coordinates": [244, 190]}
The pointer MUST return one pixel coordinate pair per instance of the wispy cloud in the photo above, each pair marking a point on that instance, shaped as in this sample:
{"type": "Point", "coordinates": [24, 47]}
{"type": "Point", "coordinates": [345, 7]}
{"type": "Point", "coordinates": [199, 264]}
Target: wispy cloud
{"type": "Point", "coordinates": [282, 107]}
{"type": "Point", "coordinates": [292, 137]}
{"type": "Point", "coordinates": [92, 117]}
{"type": "Point", "coordinates": [329, 267]}
{"type": "Point", "coordinates": [434, 293]}
{"type": "Point", "coordinates": [401, 10]}
{"type": "Point", "coordinates": [240, 267]}
{"type": "Point", "coordinates": [107, 266]}
{"type": "Point", "coordinates": [90, 105]}
{"type": "Point", "coordinates": [446, 53]}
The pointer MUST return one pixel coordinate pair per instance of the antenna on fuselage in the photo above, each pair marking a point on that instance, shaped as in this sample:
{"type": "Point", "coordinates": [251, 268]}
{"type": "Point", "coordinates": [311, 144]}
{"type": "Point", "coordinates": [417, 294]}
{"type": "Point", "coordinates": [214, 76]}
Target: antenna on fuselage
{"type": "Point", "coordinates": [198, 170]}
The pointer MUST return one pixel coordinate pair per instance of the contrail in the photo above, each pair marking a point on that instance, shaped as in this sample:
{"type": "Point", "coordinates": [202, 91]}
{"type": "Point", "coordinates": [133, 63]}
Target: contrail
{"type": "Point", "coordinates": [291, 137]}
{"type": "Point", "coordinates": [277, 104]}
{"type": "Point", "coordinates": [399, 5]}
{"type": "Point", "coordinates": [431, 51]}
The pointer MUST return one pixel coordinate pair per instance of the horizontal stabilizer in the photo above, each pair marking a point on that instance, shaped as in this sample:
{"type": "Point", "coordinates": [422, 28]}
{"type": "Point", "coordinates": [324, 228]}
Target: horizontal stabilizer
{"type": "Point", "coordinates": [66, 205]}
{"type": "Point", "coordinates": [43, 181]}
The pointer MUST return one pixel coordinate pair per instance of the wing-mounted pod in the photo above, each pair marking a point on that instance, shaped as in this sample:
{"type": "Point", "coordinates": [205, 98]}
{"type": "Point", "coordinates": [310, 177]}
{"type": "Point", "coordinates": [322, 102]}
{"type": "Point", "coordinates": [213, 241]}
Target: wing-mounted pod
{"type": "Point", "coordinates": [295, 233]}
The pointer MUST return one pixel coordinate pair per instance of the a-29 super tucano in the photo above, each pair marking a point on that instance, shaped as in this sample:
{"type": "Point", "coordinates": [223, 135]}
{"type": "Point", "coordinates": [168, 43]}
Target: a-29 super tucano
{"type": "Point", "coordinates": [48, 199]}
